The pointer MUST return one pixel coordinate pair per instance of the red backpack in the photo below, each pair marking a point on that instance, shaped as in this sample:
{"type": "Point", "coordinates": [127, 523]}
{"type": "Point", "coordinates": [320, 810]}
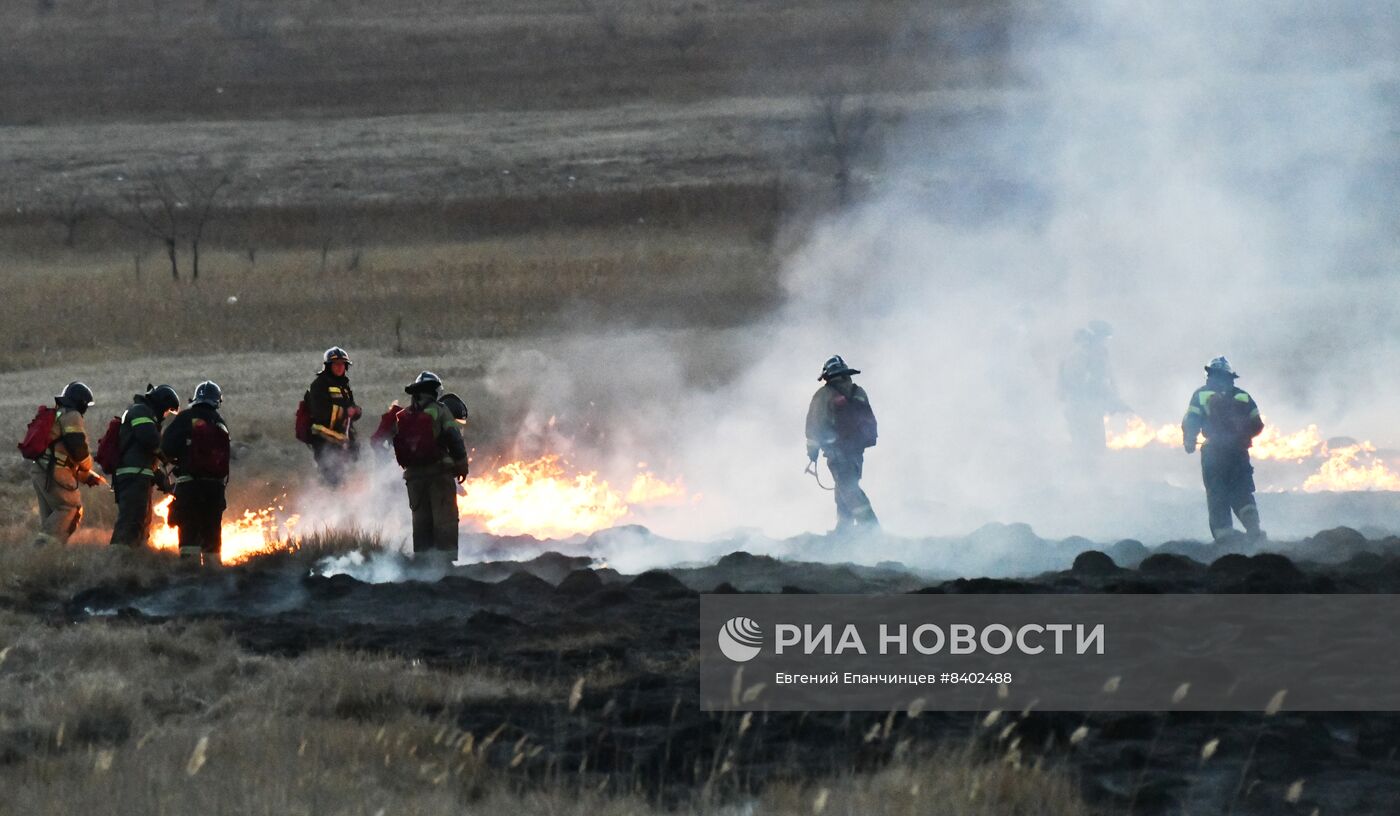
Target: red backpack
{"type": "Point", "coordinates": [207, 453]}
{"type": "Point", "coordinates": [109, 448]}
{"type": "Point", "coordinates": [415, 444]}
{"type": "Point", "coordinates": [38, 436]}
{"type": "Point", "coordinates": [303, 426]}
{"type": "Point", "coordinates": [1228, 419]}
{"type": "Point", "coordinates": [855, 421]}
{"type": "Point", "coordinates": [384, 434]}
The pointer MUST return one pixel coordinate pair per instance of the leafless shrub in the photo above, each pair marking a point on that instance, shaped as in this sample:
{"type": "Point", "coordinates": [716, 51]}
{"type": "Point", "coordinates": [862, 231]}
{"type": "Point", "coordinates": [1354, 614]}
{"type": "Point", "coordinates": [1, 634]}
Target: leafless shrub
{"type": "Point", "coordinates": [70, 206]}
{"type": "Point", "coordinates": [173, 205]}
{"type": "Point", "coordinates": [844, 123]}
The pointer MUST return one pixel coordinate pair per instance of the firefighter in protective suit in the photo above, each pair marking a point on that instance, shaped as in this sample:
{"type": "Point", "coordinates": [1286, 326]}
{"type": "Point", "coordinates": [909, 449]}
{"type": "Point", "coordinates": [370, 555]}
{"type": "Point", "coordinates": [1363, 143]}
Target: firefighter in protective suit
{"type": "Point", "coordinates": [841, 424]}
{"type": "Point", "coordinates": [139, 470]}
{"type": "Point", "coordinates": [1087, 390]}
{"type": "Point", "coordinates": [1230, 420]}
{"type": "Point", "coordinates": [196, 443]}
{"type": "Point", "coordinates": [427, 440]}
{"type": "Point", "coordinates": [331, 405]}
{"type": "Point", "coordinates": [65, 463]}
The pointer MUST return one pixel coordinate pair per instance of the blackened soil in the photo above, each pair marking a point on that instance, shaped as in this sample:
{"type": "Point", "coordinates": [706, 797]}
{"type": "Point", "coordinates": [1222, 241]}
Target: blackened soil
{"type": "Point", "coordinates": [552, 620]}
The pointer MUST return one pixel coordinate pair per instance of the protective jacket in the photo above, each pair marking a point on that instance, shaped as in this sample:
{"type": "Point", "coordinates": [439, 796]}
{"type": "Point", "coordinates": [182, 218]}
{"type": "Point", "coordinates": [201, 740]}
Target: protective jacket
{"type": "Point", "coordinates": [1226, 415]}
{"type": "Point", "coordinates": [822, 431]}
{"type": "Point", "coordinates": [448, 434]}
{"type": "Point", "coordinates": [176, 438]}
{"type": "Point", "coordinates": [140, 440]}
{"type": "Point", "coordinates": [68, 444]}
{"type": "Point", "coordinates": [328, 401]}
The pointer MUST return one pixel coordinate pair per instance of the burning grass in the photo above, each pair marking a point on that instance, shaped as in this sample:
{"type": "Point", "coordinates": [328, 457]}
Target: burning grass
{"type": "Point", "coordinates": [547, 499]}
{"type": "Point", "coordinates": [1339, 464]}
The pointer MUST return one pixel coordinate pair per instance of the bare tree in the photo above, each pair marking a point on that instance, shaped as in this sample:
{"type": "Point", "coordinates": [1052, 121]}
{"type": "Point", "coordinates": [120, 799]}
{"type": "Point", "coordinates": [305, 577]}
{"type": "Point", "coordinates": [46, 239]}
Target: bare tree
{"type": "Point", "coordinates": [153, 209]}
{"type": "Point", "coordinates": [845, 124]}
{"type": "Point", "coordinates": [202, 187]}
{"type": "Point", "coordinates": [70, 206]}
{"type": "Point", "coordinates": [173, 205]}
{"type": "Point", "coordinates": [334, 227]}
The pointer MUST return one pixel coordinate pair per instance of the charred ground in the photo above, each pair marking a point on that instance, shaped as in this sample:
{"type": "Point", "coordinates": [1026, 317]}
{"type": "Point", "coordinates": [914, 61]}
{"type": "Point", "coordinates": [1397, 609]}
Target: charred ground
{"type": "Point", "coordinates": [626, 646]}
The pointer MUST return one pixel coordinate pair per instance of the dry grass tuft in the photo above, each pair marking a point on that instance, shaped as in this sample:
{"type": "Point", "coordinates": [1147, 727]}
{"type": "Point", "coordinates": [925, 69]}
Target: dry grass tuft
{"type": "Point", "coordinates": [31, 576]}
{"type": "Point", "coordinates": [952, 783]}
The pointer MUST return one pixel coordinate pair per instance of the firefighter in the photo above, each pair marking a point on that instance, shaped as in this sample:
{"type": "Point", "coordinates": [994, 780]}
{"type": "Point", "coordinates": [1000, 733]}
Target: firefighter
{"type": "Point", "coordinates": [332, 409]}
{"type": "Point", "coordinates": [427, 439]}
{"type": "Point", "coordinates": [1087, 390]}
{"type": "Point", "coordinates": [140, 470]}
{"type": "Point", "coordinates": [196, 443]}
{"type": "Point", "coordinates": [64, 464]}
{"type": "Point", "coordinates": [841, 424]}
{"type": "Point", "coordinates": [1230, 420]}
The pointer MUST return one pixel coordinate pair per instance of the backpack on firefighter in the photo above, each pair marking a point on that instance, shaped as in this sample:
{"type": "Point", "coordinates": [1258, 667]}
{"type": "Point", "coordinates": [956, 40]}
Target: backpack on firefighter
{"type": "Point", "coordinates": [415, 438]}
{"type": "Point", "coordinates": [855, 420]}
{"type": "Point", "coordinates": [38, 436]}
{"type": "Point", "coordinates": [303, 421]}
{"type": "Point", "coordinates": [207, 451]}
{"type": "Point", "coordinates": [383, 436]}
{"type": "Point", "coordinates": [109, 447]}
{"type": "Point", "coordinates": [1228, 416]}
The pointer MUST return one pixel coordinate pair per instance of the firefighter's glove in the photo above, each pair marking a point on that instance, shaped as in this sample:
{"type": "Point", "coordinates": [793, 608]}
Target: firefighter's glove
{"type": "Point", "coordinates": [354, 412]}
{"type": "Point", "coordinates": [1189, 445]}
{"type": "Point", "coordinates": [92, 479]}
{"type": "Point", "coordinates": [162, 480]}
{"type": "Point", "coordinates": [459, 469]}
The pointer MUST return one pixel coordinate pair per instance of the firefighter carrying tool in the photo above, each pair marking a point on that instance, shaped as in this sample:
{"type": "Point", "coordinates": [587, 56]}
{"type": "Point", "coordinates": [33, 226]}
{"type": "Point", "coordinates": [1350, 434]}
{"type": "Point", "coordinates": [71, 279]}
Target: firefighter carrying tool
{"type": "Point", "coordinates": [137, 464]}
{"type": "Point", "coordinates": [56, 443]}
{"type": "Point", "coordinates": [326, 418]}
{"type": "Point", "coordinates": [841, 424]}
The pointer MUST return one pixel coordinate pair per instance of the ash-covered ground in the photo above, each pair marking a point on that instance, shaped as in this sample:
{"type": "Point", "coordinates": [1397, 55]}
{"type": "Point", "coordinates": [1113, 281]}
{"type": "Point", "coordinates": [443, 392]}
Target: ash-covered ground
{"type": "Point", "coordinates": [555, 617]}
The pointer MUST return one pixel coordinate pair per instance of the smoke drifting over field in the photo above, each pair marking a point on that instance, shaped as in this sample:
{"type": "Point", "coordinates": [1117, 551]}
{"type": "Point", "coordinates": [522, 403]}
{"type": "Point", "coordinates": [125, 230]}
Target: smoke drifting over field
{"type": "Point", "coordinates": [1207, 179]}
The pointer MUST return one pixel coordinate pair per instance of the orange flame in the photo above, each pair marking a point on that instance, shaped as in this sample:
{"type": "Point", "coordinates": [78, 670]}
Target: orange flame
{"type": "Point", "coordinates": [540, 499]}
{"type": "Point", "coordinates": [1138, 434]}
{"type": "Point", "coordinates": [1295, 447]}
{"type": "Point", "coordinates": [254, 533]}
{"type": "Point", "coordinates": [521, 498]}
{"type": "Point", "coordinates": [1352, 467]}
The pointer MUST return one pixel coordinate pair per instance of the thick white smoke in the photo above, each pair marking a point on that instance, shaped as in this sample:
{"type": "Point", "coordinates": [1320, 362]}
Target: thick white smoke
{"type": "Point", "coordinates": [1209, 179]}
